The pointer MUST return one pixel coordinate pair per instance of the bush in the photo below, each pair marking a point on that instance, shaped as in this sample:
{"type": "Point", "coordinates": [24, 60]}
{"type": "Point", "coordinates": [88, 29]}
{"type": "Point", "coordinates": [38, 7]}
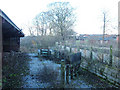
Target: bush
{"type": "Point", "coordinates": [49, 74]}
{"type": "Point", "coordinates": [14, 66]}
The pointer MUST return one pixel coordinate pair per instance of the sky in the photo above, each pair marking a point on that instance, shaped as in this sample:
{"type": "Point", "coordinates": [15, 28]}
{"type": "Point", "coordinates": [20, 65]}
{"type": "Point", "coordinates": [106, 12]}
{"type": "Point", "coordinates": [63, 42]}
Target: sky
{"type": "Point", "coordinates": [88, 12]}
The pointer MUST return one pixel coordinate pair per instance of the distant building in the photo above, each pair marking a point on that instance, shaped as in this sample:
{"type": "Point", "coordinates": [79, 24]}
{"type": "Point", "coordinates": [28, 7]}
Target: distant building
{"type": "Point", "coordinates": [10, 34]}
{"type": "Point", "coordinates": [96, 38]}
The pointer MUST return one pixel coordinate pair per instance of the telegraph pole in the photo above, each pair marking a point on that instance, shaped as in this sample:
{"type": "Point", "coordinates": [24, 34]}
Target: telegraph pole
{"type": "Point", "coordinates": [104, 25]}
{"type": "Point", "coordinates": [118, 39]}
{"type": "Point", "coordinates": [119, 27]}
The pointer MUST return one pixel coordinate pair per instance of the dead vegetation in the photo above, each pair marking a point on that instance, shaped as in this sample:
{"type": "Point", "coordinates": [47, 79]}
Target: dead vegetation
{"type": "Point", "coordinates": [14, 66]}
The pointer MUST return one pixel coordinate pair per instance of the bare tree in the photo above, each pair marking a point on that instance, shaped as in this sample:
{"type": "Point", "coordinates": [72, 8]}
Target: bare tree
{"type": "Point", "coordinates": [59, 20]}
{"type": "Point", "coordinates": [29, 28]}
{"type": "Point", "coordinates": [31, 31]}
{"type": "Point", "coordinates": [62, 18]}
{"type": "Point", "coordinates": [40, 23]}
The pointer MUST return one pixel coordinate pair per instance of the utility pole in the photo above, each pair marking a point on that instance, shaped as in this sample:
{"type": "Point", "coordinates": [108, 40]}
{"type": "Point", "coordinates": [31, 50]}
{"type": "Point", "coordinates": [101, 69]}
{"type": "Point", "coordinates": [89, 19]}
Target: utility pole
{"type": "Point", "coordinates": [119, 27]}
{"type": "Point", "coordinates": [104, 25]}
{"type": "Point", "coordinates": [119, 35]}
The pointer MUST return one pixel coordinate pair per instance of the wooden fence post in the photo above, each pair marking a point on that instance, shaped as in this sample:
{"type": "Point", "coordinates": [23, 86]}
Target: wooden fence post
{"type": "Point", "coordinates": [62, 73]}
{"type": "Point", "coordinates": [78, 67]}
{"type": "Point", "coordinates": [67, 73]}
{"type": "Point", "coordinates": [110, 55]}
{"type": "Point", "coordinates": [67, 68]}
{"type": "Point", "coordinates": [85, 52]}
{"type": "Point", "coordinates": [71, 71]}
{"type": "Point", "coordinates": [102, 57]}
{"type": "Point", "coordinates": [70, 50]}
{"type": "Point", "coordinates": [75, 70]}
{"type": "Point", "coordinates": [91, 55]}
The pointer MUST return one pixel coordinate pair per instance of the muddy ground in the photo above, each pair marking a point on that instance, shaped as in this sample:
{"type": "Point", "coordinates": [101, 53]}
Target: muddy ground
{"type": "Point", "coordinates": [23, 70]}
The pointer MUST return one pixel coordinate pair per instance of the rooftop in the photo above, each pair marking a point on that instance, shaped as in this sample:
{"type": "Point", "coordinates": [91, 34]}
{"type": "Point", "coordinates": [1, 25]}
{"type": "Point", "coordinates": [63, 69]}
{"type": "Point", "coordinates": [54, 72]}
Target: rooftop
{"type": "Point", "coordinates": [8, 27]}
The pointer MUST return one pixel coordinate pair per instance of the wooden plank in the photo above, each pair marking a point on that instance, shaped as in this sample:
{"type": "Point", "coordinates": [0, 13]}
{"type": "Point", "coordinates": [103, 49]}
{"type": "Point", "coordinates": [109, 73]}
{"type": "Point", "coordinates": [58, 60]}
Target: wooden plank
{"type": "Point", "coordinates": [1, 50]}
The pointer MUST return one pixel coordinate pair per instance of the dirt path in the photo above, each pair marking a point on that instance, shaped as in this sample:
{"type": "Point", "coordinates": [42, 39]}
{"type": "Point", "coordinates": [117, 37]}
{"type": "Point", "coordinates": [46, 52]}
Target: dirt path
{"type": "Point", "coordinates": [39, 75]}
{"type": "Point", "coordinates": [44, 74]}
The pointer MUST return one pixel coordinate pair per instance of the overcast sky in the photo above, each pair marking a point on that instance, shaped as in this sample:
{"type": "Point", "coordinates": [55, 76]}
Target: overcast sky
{"type": "Point", "coordinates": [88, 12]}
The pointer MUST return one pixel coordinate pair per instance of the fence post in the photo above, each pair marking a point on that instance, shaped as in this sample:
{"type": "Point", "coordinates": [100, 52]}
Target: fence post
{"type": "Point", "coordinates": [75, 70]}
{"type": "Point", "coordinates": [85, 52]}
{"type": "Point", "coordinates": [91, 55]}
{"type": "Point", "coordinates": [70, 50]}
{"type": "Point", "coordinates": [110, 55]}
{"type": "Point", "coordinates": [71, 71]}
{"type": "Point", "coordinates": [67, 68]}
{"type": "Point", "coordinates": [62, 73]}
{"type": "Point", "coordinates": [67, 73]}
